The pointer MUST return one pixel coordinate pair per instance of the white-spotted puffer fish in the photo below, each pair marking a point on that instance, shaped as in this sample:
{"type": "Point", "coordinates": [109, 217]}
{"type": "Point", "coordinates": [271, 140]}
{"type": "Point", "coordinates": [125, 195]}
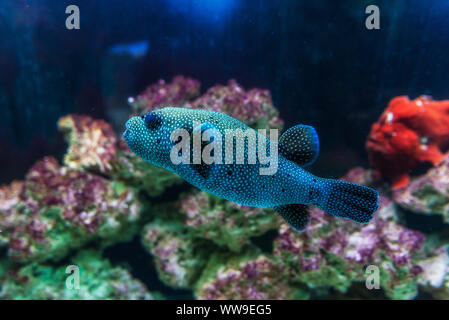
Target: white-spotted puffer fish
{"type": "Point", "coordinates": [289, 189]}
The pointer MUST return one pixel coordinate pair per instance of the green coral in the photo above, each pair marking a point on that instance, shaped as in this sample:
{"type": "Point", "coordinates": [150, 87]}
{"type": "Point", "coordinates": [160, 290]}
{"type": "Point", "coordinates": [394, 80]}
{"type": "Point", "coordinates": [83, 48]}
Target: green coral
{"type": "Point", "coordinates": [94, 147]}
{"type": "Point", "coordinates": [199, 241]}
{"type": "Point", "coordinates": [218, 260]}
{"type": "Point", "coordinates": [332, 272]}
{"type": "Point", "coordinates": [60, 209]}
{"type": "Point", "coordinates": [398, 282]}
{"type": "Point", "coordinates": [311, 258]}
{"type": "Point", "coordinates": [428, 193]}
{"type": "Point", "coordinates": [178, 256]}
{"type": "Point", "coordinates": [248, 276]}
{"type": "Point", "coordinates": [141, 175]}
{"type": "Point", "coordinates": [98, 279]}
{"type": "Point", "coordinates": [225, 223]}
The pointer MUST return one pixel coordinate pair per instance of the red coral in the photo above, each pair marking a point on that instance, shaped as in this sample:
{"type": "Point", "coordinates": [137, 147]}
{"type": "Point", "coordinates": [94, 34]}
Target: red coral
{"type": "Point", "coordinates": [408, 134]}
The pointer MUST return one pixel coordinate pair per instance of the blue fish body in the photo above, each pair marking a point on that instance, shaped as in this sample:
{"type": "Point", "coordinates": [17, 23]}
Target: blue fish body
{"type": "Point", "coordinates": [289, 189]}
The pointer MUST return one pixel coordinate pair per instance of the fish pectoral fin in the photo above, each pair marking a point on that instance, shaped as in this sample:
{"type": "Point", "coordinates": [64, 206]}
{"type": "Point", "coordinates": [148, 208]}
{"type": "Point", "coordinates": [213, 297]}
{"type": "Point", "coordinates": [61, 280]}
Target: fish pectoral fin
{"type": "Point", "coordinates": [296, 215]}
{"type": "Point", "coordinates": [202, 168]}
{"type": "Point", "coordinates": [300, 144]}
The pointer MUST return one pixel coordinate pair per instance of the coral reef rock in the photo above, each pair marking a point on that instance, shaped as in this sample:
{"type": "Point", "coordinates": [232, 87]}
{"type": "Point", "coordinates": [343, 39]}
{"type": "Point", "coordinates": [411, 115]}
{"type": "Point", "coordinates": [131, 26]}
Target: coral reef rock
{"type": "Point", "coordinates": [208, 245]}
{"type": "Point", "coordinates": [92, 143]}
{"type": "Point", "coordinates": [94, 147]}
{"type": "Point", "coordinates": [255, 279]}
{"type": "Point", "coordinates": [175, 93]}
{"type": "Point", "coordinates": [225, 223]}
{"type": "Point", "coordinates": [141, 175]}
{"type": "Point", "coordinates": [253, 107]}
{"type": "Point", "coordinates": [336, 253]}
{"type": "Point", "coordinates": [435, 276]}
{"type": "Point", "coordinates": [56, 209]}
{"type": "Point", "coordinates": [89, 276]}
{"type": "Point", "coordinates": [429, 193]}
{"type": "Point", "coordinates": [178, 258]}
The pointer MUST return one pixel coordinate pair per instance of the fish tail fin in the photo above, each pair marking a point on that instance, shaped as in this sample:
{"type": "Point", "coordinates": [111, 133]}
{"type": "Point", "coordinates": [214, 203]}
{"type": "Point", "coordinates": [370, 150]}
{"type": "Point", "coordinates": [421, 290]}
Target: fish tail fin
{"type": "Point", "coordinates": [349, 200]}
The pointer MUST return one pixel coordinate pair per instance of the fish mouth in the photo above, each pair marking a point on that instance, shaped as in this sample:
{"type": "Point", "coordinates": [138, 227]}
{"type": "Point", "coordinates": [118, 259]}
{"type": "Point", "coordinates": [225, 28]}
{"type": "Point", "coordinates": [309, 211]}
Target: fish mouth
{"type": "Point", "coordinates": [130, 125]}
{"type": "Point", "coordinates": [125, 133]}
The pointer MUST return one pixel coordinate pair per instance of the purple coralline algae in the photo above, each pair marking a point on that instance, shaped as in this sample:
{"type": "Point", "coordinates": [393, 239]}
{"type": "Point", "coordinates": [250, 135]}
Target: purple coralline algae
{"type": "Point", "coordinates": [139, 174]}
{"type": "Point", "coordinates": [56, 209]}
{"type": "Point", "coordinates": [176, 93]}
{"type": "Point", "coordinates": [333, 252]}
{"type": "Point", "coordinates": [435, 276]}
{"type": "Point", "coordinates": [102, 194]}
{"type": "Point", "coordinates": [223, 222]}
{"type": "Point", "coordinates": [98, 279]}
{"type": "Point", "coordinates": [94, 147]}
{"type": "Point", "coordinates": [179, 258]}
{"type": "Point", "coordinates": [254, 107]}
{"type": "Point", "coordinates": [429, 193]}
{"type": "Point", "coordinates": [188, 232]}
{"type": "Point", "coordinates": [9, 217]}
{"type": "Point", "coordinates": [333, 256]}
{"type": "Point", "coordinates": [260, 278]}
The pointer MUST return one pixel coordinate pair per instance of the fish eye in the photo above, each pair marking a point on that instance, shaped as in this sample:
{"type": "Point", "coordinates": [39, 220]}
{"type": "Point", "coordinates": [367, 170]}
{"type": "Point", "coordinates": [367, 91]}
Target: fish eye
{"type": "Point", "coordinates": [152, 121]}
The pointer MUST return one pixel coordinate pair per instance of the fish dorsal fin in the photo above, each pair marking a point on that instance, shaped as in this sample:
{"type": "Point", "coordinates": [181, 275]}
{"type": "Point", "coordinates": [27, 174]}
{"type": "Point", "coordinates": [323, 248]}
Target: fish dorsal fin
{"type": "Point", "coordinates": [300, 144]}
{"type": "Point", "coordinates": [296, 215]}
